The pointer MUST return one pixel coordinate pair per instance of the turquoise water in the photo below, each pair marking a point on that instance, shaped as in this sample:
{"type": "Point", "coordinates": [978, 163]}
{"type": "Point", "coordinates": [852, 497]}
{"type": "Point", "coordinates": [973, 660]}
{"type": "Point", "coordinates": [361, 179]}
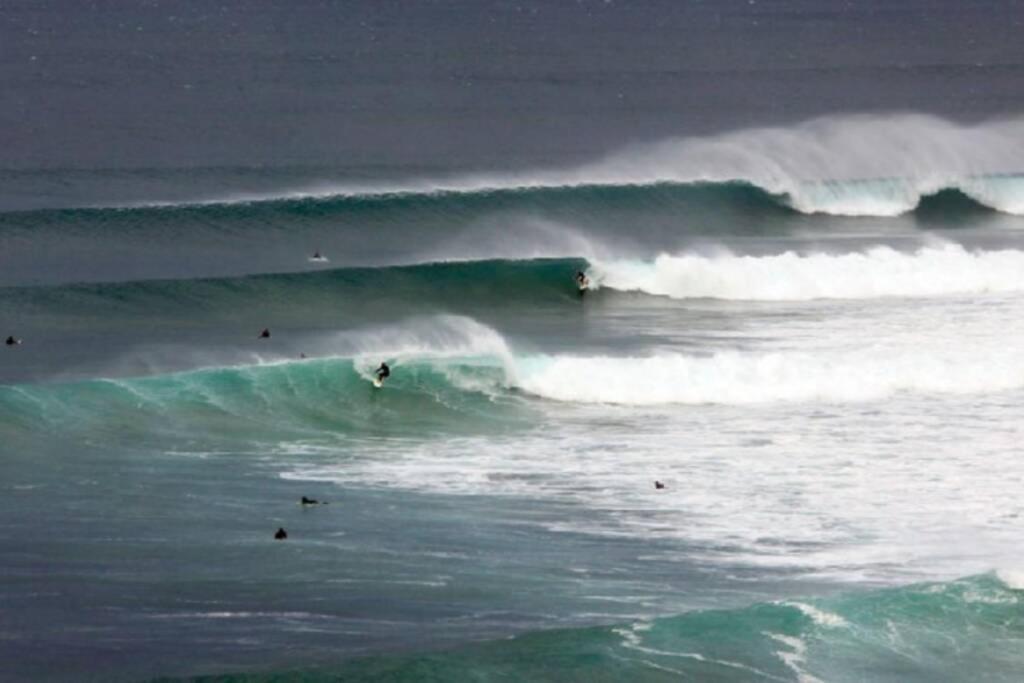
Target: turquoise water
{"type": "Point", "coordinates": [491, 510]}
{"type": "Point", "coordinates": [890, 635]}
{"type": "Point", "coordinates": [777, 438]}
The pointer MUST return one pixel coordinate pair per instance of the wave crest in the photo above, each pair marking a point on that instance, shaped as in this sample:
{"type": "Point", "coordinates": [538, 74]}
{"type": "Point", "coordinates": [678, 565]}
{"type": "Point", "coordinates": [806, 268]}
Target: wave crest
{"type": "Point", "coordinates": [840, 165]}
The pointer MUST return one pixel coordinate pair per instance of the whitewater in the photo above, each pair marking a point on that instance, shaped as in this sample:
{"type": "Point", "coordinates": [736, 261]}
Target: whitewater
{"type": "Point", "coordinates": [805, 335]}
{"type": "Point", "coordinates": [776, 439]}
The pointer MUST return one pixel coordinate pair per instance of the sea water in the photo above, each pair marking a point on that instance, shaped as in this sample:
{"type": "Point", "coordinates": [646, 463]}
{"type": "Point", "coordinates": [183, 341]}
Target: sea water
{"type": "Point", "coordinates": [801, 322]}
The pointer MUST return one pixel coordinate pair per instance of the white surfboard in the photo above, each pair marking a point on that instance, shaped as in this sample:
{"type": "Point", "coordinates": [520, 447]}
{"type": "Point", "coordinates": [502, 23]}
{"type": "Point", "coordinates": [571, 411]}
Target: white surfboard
{"type": "Point", "coordinates": [377, 383]}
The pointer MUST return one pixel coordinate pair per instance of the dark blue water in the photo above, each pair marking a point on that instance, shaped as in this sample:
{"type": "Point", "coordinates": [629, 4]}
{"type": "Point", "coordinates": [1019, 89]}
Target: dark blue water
{"type": "Point", "coordinates": [250, 96]}
{"type": "Point", "coordinates": [802, 227]}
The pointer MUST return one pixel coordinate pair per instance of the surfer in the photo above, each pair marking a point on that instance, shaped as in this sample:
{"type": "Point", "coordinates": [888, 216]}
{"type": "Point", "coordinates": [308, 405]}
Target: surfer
{"type": "Point", "coordinates": [11, 341]}
{"type": "Point", "coordinates": [265, 334]}
{"type": "Point", "coordinates": [383, 372]}
{"type": "Point", "coordinates": [311, 501]}
{"type": "Point", "coordinates": [281, 534]}
{"type": "Point", "coordinates": [658, 485]}
{"type": "Point", "coordinates": [581, 281]}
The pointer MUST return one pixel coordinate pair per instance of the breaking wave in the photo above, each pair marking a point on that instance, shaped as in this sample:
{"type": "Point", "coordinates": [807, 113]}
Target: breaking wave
{"type": "Point", "coordinates": [840, 165]}
{"type": "Point", "coordinates": [849, 165]}
{"type": "Point", "coordinates": [944, 269]}
{"type": "Point", "coordinates": [739, 378]}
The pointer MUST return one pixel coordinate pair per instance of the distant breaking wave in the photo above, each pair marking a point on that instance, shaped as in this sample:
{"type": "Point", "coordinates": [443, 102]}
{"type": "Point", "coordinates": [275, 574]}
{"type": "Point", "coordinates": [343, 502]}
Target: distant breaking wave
{"type": "Point", "coordinates": [852, 198]}
{"type": "Point", "coordinates": [840, 165]}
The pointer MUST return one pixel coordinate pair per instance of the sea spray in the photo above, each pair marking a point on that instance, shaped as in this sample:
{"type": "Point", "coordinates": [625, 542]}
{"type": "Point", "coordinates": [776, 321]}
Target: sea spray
{"type": "Point", "coordinates": [853, 165]}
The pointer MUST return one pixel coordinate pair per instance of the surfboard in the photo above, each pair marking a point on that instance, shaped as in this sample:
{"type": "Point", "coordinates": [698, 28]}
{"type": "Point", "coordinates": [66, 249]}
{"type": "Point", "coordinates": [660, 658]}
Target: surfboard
{"type": "Point", "coordinates": [377, 383]}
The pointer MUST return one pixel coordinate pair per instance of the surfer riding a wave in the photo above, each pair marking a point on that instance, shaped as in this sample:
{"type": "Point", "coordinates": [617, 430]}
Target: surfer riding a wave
{"type": "Point", "coordinates": [582, 283]}
{"type": "Point", "coordinates": [381, 374]}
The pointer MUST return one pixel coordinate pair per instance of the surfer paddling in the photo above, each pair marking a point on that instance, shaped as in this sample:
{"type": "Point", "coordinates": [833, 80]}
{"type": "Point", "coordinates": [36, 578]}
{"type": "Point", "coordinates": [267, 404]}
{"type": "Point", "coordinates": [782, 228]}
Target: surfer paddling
{"type": "Point", "coordinates": [12, 341]}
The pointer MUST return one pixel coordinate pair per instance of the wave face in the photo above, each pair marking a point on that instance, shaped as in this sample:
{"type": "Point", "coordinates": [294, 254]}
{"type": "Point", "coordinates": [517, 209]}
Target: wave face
{"type": "Point", "coordinates": [275, 399]}
{"type": "Point", "coordinates": [927, 632]}
{"type": "Point", "coordinates": [884, 197]}
{"type": "Point", "coordinates": [443, 362]}
{"type": "Point", "coordinates": [836, 176]}
{"type": "Point", "coordinates": [946, 269]}
{"type": "Point", "coordinates": [397, 290]}
{"type": "Point", "coordinates": [842, 165]}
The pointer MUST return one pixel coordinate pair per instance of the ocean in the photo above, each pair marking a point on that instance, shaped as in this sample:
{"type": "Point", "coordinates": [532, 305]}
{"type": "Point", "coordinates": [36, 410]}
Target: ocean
{"type": "Point", "coordinates": [776, 438]}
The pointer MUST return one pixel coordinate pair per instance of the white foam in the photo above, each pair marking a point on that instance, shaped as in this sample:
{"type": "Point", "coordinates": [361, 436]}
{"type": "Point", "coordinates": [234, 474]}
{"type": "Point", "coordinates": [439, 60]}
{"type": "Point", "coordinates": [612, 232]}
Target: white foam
{"type": "Point", "coordinates": [818, 616]}
{"type": "Point", "coordinates": [819, 500]}
{"type": "Point", "coordinates": [795, 657]}
{"type": "Point", "coordinates": [938, 270]}
{"type": "Point", "coordinates": [744, 378]}
{"type": "Point", "coordinates": [1011, 578]}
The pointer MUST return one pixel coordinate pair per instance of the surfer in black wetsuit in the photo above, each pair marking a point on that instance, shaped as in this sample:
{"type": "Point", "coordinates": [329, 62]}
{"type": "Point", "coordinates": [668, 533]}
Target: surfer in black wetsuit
{"type": "Point", "coordinates": [383, 372]}
{"type": "Point", "coordinates": [581, 280]}
{"type": "Point", "coordinates": [311, 501]}
{"type": "Point", "coordinates": [11, 341]}
{"type": "Point", "coordinates": [265, 334]}
{"type": "Point", "coordinates": [281, 534]}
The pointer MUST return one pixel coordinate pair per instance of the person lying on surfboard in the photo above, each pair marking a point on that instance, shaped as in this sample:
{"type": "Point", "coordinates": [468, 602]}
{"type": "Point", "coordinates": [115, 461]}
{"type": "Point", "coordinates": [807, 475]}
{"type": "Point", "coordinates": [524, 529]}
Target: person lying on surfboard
{"type": "Point", "coordinates": [383, 372]}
